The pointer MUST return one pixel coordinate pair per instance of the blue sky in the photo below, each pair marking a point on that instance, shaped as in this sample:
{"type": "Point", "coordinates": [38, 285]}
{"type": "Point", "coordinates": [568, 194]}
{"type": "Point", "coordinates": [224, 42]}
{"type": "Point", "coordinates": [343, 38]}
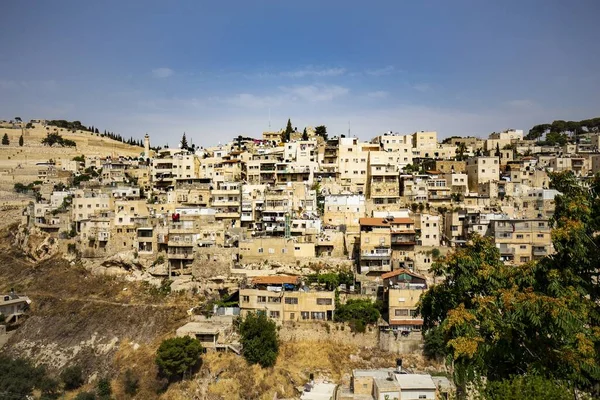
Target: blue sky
{"type": "Point", "coordinates": [215, 69]}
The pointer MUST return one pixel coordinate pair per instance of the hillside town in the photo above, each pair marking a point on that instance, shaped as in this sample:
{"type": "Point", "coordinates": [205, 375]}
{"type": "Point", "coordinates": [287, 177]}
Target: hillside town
{"type": "Point", "coordinates": [294, 224]}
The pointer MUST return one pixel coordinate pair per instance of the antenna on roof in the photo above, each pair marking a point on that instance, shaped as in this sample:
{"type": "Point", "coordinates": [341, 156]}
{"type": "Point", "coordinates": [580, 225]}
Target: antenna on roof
{"type": "Point", "coordinates": [269, 118]}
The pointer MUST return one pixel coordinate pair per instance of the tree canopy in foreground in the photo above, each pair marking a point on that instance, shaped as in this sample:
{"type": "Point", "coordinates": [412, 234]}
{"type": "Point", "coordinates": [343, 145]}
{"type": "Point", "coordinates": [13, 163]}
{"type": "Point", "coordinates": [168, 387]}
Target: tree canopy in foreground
{"type": "Point", "coordinates": [539, 319]}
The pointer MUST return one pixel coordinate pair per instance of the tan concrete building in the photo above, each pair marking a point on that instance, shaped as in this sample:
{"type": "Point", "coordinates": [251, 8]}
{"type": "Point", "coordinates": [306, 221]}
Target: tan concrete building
{"type": "Point", "coordinates": [286, 298]}
{"type": "Point", "coordinates": [402, 290]}
{"type": "Point", "coordinates": [522, 240]}
{"type": "Point", "coordinates": [481, 170]}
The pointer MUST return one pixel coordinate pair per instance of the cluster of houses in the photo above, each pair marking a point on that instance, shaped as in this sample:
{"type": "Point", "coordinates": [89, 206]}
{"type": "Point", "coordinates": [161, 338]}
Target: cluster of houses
{"type": "Point", "coordinates": [388, 207]}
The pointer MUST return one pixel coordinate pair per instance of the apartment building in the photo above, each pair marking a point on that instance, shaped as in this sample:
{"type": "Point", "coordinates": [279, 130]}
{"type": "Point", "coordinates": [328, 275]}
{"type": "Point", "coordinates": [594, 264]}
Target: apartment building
{"type": "Point", "coordinates": [428, 228]}
{"type": "Point", "coordinates": [402, 290]}
{"type": "Point", "coordinates": [287, 299]}
{"type": "Point", "coordinates": [481, 170]}
{"type": "Point", "coordinates": [344, 209]}
{"type": "Point", "coordinates": [383, 179]}
{"type": "Point", "coordinates": [522, 240]}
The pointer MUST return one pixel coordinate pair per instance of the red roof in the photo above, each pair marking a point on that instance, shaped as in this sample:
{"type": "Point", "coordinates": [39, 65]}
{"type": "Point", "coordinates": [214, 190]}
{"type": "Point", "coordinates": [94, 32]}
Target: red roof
{"type": "Point", "coordinates": [399, 272]}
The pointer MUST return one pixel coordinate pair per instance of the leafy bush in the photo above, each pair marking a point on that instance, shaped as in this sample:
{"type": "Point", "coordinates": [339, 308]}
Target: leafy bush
{"type": "Point", "coordinates": [131, 383]}
{"type": "Point", "coordinates": [54, 138]}
{"type": "Point", "coordinates": [103, 388]}
{"type": "Point", "coordinates": [176, 356]}
{"type": "Point", "coordinates": [19, 376]}
{"type": "Point", "coordinates": [259, 340]}
{"type": "Point", "coordinates": [72, 377]}
{"type": "Point", "coordinates": [529, 387]}
{"type": "Point", "coordinates": [358, 312]}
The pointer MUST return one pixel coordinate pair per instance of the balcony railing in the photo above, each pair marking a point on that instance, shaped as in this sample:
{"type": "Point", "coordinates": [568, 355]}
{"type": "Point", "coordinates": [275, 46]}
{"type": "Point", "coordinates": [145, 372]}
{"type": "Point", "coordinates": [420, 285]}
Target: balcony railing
{"type": "Point", "coordinates": [378, 255]}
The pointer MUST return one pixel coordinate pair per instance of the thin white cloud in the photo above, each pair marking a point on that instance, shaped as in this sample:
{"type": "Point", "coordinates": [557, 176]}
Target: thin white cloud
{"type": "Point", "coordinates": [313, 93]}
{"type": "Point", "coordinates": [162, 72]}
{"type": "Point", "coordinates": [313, 71]}
{"type": "Point", "coordinates": [247, 100]}
{"type": "Point", "coordinates": [379, 94]}
{"type": "Point", "coordinates": [381, 71]}
{"type": "Point", "coordinates": [521, 103]}
{"type": "Point", "coordinates": [422, 87]}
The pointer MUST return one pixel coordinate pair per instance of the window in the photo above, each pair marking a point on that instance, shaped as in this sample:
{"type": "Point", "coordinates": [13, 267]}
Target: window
{"type": "Point", "coordinates": [540, 235]}
{"type": "Point", "coordinates": [519, 236]}
{"type": "Point", "coordinates": [317, 315]}
{"type": "Point", "coordinates": [297, 248]}
{"type": "Point", "coordinates": [324, 302]}
{"type": "Point", "coordinates": [261, 299]}
{"type": "Point", "coordinates": [422, 396]}
{"type": "Point", "coordinates": [522, 246]}
{"type": "Point", "coordinates": [274, 314]}
{"type": "Point", "coordinates": [271, 251]}
{"type": "Point", "coordinates": [291, 300]}
{"type": "Point", "coordinates": [245, 299]}
{"type": "Point", "coordinates": [401, 312]}
{"type": "Point", "coordinates": [274, 299]}
{"type": "Point", "coordinates": [292, 316]}
{"type": "Point", "coordinates": [260, 249]}
{"type": "Point", "coordinates": [305, 315]}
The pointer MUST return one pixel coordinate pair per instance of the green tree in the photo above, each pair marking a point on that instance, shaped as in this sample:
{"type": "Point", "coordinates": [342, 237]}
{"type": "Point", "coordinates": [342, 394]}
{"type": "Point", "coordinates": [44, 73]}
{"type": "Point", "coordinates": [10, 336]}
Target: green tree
{"type": "Point", "coordinates": [498, 320]}
{"type": "Point", "coordinates": [21, 142]}
{"type": "Point", "coordinates": [358, 312]}
{"type": "Point", "coordinates": [5, 140]}
{"type": "Point", "coordinates": [260, 344]}
{"type": "Point", "coordinates": [19, 376]}
{"type": "Point", "coordinates": [321, 130]}
{"type": "Point", "coordinates": [176, 356]}
{"type": "Point", "coordinates": [104, 388]}
{"type": "Point", "coordinates": [461, 151]}
{"type": "Point", "coordinates": [497, 154]}
{"type": "Point", "coordinates": [288, 131]}
{"type": "Point", "coordinates": [72, 377]}
{"type": "Point", "coordinates": [184, 143]}
{"type": "Point", "coordinates": [530, 387]}
{"type": "Point", "coordinates": [304, 135]}
{"type": "Point", "coordinates": [85, 396]}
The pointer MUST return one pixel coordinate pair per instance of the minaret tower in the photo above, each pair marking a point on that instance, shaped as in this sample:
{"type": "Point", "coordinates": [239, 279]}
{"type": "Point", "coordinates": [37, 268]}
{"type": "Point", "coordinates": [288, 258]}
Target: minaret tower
{"type": "Point", "coordinates": [146, 146]}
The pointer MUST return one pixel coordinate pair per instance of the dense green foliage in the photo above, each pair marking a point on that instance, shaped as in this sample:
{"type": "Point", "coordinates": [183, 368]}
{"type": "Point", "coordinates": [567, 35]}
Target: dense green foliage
{"type": "Point", "coordinates": [184, 143]}
{"type": "Point", "coordinates": [541, 318]}
{"type": "Point", "coordinates": [19, 377]}
{"type": "Point", "coordinates": [5, 140]}
{"type": "Point", "coordinates": [72, 377]}
{"type": "Point", "coordinates": [54, 138]}
{"type": "Point", "coordinates": [176, 356]}
{"type": "Point", "coordinates": [358, 312]}
{"type": "Point", "coordinates": [21, 188]}
{"type": "Point", "coordinates": [321, 130]}
{"type": "Point", "coordinates": [288, 131]}
{"type": "Point", "coordinates": [259, 340]}
{"type": "Point", "coordinates": [80, 158]}
{"type": "Point", "coordinates": [528, 387]}
{"type": "Point", "coordinates": [70, 125]}
{"type": "Point", "coordinates": [21, 141]}
{"type": "Point", "coordinates": [557, 132]}
{"type": "Point", "coordinates": [304, 134]}
{"type": "Point", "coordinates": [103, 388]}
{"type": "Point", "coordinates": [332, 280]}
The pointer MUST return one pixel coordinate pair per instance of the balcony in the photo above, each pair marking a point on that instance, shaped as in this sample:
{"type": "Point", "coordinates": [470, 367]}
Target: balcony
{"type": "Point", "coordinates": [180, 242]}
{"type": "Point", "coordinates": [376, 255]}
{"type": "Point", "coordinates": [540, 251]}
{"type": "Point", "coordinates": [270, 218]}
{"type": "Point", "coordinates": [404, 240]}
{"type": "Point", "coordinates": [507, 251]}
{"type": "Point", "coordinates": [180, 256]}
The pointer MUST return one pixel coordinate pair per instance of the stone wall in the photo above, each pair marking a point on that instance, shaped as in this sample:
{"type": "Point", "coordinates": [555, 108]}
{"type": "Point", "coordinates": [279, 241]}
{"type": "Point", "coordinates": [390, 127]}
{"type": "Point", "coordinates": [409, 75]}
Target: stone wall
{"type": "Point", "coordinates": [341, 333]}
